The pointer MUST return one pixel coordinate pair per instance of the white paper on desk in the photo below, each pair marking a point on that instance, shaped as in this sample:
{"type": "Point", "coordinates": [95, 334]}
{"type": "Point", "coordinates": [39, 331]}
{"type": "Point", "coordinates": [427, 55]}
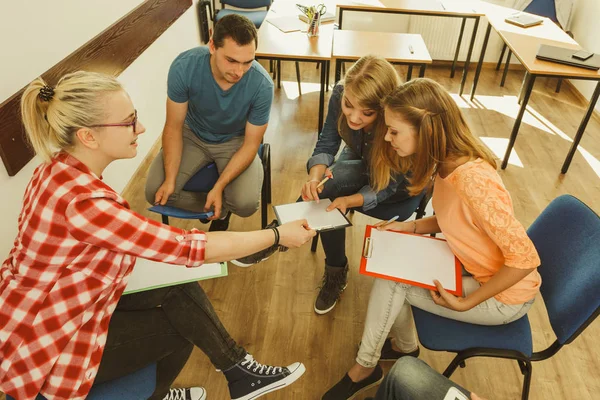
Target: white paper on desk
{"type": "Point", "coordinates": [149, 274]}
{"type": "Point", "coordinates": [287, 24]}
{"type": "Point", "coordinates": [414, 258]}
{"type": "Point", "coordinates": [316, 215]}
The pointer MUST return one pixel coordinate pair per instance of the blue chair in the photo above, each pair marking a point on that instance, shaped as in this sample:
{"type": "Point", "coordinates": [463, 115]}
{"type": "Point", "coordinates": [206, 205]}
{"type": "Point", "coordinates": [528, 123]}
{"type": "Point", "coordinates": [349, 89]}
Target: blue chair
{"type": "Point", "coordinates": [136, 386]}
{"type": "Point", "coordinates": [544, 8]}
{"type": "Point", "coordinates": [204, 180]}
{"type": "Point", "coordinates": [386, 211]}
{"type": "Point", "coordinates": [566, 236]}
{"type": "Point", "coordinates": [247, 8]}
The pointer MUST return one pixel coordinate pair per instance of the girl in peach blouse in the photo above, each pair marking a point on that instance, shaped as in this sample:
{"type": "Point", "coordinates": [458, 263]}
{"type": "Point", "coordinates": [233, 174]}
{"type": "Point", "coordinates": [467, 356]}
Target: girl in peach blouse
{"type": "Point", "coordinates": [427, 134]}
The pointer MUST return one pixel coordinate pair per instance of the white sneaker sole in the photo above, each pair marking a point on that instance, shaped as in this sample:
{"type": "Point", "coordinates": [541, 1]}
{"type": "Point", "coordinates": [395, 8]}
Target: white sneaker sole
{"type": "Point", "coordinates": [321, 312]}
{"type": "Point", "coordinates": [296, 369]}
{"type": "Point", "coordinates": [244, 265]}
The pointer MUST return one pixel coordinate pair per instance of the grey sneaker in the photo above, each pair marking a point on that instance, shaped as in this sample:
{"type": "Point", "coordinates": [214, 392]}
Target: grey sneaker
{"type": "Point", "coordinates": [260, 255]}
{"type": "Point", "coordinates": [334, 283]}
{"type": "Point", "coordinates": [193, 393]}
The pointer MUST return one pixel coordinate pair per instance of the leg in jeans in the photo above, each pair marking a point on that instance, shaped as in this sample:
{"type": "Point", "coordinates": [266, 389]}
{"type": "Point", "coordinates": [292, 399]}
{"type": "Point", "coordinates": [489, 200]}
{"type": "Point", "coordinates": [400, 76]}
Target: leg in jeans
{"type": "Point", "coordinates": [194, 156]}
{"type": "Point", "coordinates": [389, 305]}
{"type": "Point", "coordinates": [412, 379]}
{"type": "Point", "coordinates": [242, 195]}
{"type": "Point", "coordinates": [162, 326]}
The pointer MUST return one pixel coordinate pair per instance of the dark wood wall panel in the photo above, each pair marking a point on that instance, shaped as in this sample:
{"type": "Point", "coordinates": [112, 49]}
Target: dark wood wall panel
{"type": "Point", "coordinates": [109, 52]}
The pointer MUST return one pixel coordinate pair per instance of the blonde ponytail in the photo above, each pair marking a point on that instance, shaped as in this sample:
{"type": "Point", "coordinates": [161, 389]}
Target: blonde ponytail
{"type": "Point", "coordinates": [51, 116]}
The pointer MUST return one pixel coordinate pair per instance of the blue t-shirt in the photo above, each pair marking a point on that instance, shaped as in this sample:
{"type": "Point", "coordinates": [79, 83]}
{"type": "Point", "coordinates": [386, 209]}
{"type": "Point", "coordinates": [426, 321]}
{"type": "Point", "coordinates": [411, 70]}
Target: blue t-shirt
{"type": "Point", "coordinates": [216, 115]}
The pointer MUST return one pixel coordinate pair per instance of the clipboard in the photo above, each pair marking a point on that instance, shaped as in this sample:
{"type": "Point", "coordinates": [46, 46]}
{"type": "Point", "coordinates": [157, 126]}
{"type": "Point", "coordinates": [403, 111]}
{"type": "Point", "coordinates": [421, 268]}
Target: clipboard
{"type": "Point", "coordinates": [148, 274]}
{"type": "Point", "coordinates": [410, 258]}
{"type": "Point", "coordinates": [318, 219]}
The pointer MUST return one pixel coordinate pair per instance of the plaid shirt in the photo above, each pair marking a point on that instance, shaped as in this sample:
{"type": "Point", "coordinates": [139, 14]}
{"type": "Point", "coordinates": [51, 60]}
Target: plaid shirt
{"type": "Point", "coordinates": [76, 247]}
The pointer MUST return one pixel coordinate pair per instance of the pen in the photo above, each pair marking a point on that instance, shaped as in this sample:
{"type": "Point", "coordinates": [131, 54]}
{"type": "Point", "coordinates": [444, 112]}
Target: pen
{"type": "Point", "coordinates": [412, 51]}
{"type": "Point", "coordinates": [323, 181]}
{"type": "Point", "coordinates": [389, 221]}
{"type": "Point", "coordinates": [442, 4]}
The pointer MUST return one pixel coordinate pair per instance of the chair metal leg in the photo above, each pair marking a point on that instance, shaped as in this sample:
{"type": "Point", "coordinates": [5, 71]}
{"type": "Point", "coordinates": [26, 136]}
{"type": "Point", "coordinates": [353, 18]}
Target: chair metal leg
{"type": "Point", "coordinates": [455, 363]}
{"type": "Point", "coordinates": [506, 68]}
{"type": "Point", "coordinates": [298, 78]}
{"type": "Point", "coordinates": [527, 370]}
{"type": "Point", "coordinates": [315, 242]}
{"type": "Point", "coordinates": [501, 57]}
{"type": "Point", "coordinates": [165, 219]}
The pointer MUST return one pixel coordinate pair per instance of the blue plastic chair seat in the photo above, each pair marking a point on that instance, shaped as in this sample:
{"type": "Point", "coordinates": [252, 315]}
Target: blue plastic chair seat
{"type": "Point", "coordinates": [443, 334]}
{"type": "Point", "coordinates": [257, 17]}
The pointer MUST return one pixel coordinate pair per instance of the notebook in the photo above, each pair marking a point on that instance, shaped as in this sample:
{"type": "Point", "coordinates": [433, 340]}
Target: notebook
{"type": "Point", "coordinates": [315, 213]}
{"type": "Point", "coordinates": [148, 275]}
{"type": "Point", "coordinates": [409, 258]}
{"type": "Point", "coordinates": [524, 20]}
{"type": "Point", "coordinates": [287, 24]}
{"type": "Point", "coordinates": [563, 55]}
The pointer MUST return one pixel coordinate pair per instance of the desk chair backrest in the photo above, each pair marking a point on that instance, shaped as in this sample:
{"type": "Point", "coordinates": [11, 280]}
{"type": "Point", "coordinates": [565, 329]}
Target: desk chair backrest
{"type": "Point", "coordinates": [247, 4]}
{"type": "Point", "coordinates": [567, 238]}
{"type": "Point", "coordinates": [545, 8]}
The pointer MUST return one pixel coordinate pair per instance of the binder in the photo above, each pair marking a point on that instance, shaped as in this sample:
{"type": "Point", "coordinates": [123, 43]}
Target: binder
{"type": "Point", "coordinates": [410, 258]}
{"type": "Point", "coordinates": [318, 219]}
{"type": "Point", "coordinates": [563, 55]}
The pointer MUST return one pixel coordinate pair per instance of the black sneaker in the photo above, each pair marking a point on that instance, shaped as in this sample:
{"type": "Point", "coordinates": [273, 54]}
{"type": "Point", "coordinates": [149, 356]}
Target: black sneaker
{"type": "Point", "coordinates": [346, 389]}
{"type": "Point", "coordinates": [389, 354]}
{"type": "Point", "coordinates": [193, 393]}
{"type": "Point", "coordinates": [221, 224]}
{"type": "Point", "coordinates": [260, 255]}
{"type": "Point", "coordinates": [249, 380]}
{"type": "Point", "coordinates": [334, 283]}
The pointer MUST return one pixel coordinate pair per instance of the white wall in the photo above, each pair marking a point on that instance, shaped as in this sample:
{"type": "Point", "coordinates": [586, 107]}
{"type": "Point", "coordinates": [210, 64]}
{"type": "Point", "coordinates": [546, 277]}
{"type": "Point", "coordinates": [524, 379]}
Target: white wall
{"type": "Point", "coordinates": [586, 32]}
{"type": "Point", "coordinates": [35, 35]}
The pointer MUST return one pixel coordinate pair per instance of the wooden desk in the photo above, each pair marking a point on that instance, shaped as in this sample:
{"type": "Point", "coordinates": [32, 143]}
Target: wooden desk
{"type": "Point", "coordinates": [434, 8]}
{"type": "Point", "coordinates": [394, 47]}
{"type": "Point", "coordinates": [274, 44]}
{"type": "Point", "coordinates": [524, 44]}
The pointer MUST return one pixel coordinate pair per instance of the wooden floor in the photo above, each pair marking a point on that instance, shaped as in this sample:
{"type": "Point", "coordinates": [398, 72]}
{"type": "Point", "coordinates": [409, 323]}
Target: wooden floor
{"type": "Point", "coordinates": [268, 308]}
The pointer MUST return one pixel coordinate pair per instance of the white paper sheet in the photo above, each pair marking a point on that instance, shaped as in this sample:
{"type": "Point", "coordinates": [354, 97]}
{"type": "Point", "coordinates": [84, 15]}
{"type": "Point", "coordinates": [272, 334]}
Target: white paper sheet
{"type": "Point", "coordinates": [313, 212]}
{"type": "Point", "coordinates": [414, 258]}
{"type": "Point", "coordinates": [148, 274]}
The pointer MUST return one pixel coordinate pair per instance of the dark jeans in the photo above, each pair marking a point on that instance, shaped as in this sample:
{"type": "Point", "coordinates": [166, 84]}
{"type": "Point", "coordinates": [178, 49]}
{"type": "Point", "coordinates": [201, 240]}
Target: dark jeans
{"type": "Point", "coordinates": [412, 379]}
{"type": "Point", "coordinates": [163, 326]}
{"type": "Point", "coordinates": [350, 175]}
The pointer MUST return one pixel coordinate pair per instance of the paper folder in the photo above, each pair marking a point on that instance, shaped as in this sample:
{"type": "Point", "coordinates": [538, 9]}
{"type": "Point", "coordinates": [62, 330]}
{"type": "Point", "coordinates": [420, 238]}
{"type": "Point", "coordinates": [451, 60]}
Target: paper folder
{"type": "Point", "coordinates": [410, 258]}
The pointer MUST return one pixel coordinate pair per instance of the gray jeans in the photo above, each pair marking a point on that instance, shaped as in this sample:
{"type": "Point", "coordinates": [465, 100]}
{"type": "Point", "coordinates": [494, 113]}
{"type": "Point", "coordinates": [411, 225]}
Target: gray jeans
{"type": "Point", "coordinates": [390, 309]}
{"type": "Point", "coordinates": [241, 196]}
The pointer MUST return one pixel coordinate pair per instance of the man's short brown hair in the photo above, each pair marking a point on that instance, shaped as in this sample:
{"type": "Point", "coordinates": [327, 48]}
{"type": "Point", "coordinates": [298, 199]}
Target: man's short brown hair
{"type": "Point", "coordinates": [236, 27]}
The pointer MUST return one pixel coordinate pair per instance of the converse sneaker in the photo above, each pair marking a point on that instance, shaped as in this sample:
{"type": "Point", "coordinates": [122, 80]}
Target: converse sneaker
{"type": "Point", "coordinates": [221, 224]}
{"type": "Point", "coordinates": [193, 393]}
{"type": "Point", "coordinates": [260, 255]}
{"type": "Point", "coordinates": [334, 283]}
{"type": "Point", "coordinates": [249, 380]}
{"type": "Point", "coordinates": [389, 354]}
{"type": "Point", "coordinates": [347, 390]}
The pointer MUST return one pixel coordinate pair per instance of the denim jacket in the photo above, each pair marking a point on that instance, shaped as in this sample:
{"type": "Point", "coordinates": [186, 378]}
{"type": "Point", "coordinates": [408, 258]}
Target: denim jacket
{"type": "Point", "coordinates": [360, 143]}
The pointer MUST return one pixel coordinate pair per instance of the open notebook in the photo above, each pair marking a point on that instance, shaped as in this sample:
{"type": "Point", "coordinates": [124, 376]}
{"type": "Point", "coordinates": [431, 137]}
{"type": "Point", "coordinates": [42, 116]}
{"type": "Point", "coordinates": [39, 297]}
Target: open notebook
{"type": "Point", "coordinates": [315, 213]}
{"type": "Point", "coordinates": [149, 274]}
{"type": "Point", "coordinates": [409, 258]}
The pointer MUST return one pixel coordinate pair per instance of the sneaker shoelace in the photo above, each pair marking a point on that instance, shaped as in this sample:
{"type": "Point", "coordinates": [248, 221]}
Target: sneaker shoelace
{"type": "Point", "coordinates": [176, 394]}
{"type": "Point", "coordinates": [250, 362]}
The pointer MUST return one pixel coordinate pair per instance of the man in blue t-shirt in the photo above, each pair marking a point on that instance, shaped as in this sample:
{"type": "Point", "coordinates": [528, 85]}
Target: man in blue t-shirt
{"type": "Point", "coordinates": [218, 106]}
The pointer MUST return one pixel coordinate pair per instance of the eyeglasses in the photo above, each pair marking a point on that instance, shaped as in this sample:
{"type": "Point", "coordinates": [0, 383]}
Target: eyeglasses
{"type": "Point", "coordinates": [132, 123]}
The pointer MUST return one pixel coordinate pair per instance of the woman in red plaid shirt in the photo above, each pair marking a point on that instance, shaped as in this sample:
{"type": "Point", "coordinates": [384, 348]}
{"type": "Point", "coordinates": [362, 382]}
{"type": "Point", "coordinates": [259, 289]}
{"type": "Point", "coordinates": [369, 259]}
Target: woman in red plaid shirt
{"type": "Point", "coordinates": [63, 323]}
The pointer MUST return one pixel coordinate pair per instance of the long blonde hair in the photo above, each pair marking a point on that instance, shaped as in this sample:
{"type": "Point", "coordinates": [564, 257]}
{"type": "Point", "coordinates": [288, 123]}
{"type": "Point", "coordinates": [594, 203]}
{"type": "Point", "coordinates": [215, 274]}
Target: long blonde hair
{"type": "Point", "coordinates": [369, 80]}
{"type": "Point", "coordinates": [442, 135]}
{"type": "Point", "coordinates": [51, 116]}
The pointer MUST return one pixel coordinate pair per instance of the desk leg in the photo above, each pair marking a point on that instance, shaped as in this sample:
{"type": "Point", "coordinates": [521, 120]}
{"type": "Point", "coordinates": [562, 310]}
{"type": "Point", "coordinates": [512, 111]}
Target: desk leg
{"type": "Point", "coordinates": [505, 68]}
{"type": "Point", "coordinates": [529, 81]}
{"type": "Point", "coordinates": [581, 129]}
{"type": "Point", "coordinates": [481, 56]}
{"type": "Point", "coordinates": [278, 74]}
{"type": "Point", "coordinates": [322, 95]}
{"type": "Point", "coordinates": [341, 17]}
{"type": "Point", "coordinates": [468, 60]}
{"type": "Point", "coordinates": [460, 36]}
{"type": "Point", "coordinates": [338, 71]}
{"type": "Point", "coordinates": [327, 76]}
{"type": "Point", "coordinates": [422, 70]}
{"type": "Point", "coordinates": [409, 73]}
